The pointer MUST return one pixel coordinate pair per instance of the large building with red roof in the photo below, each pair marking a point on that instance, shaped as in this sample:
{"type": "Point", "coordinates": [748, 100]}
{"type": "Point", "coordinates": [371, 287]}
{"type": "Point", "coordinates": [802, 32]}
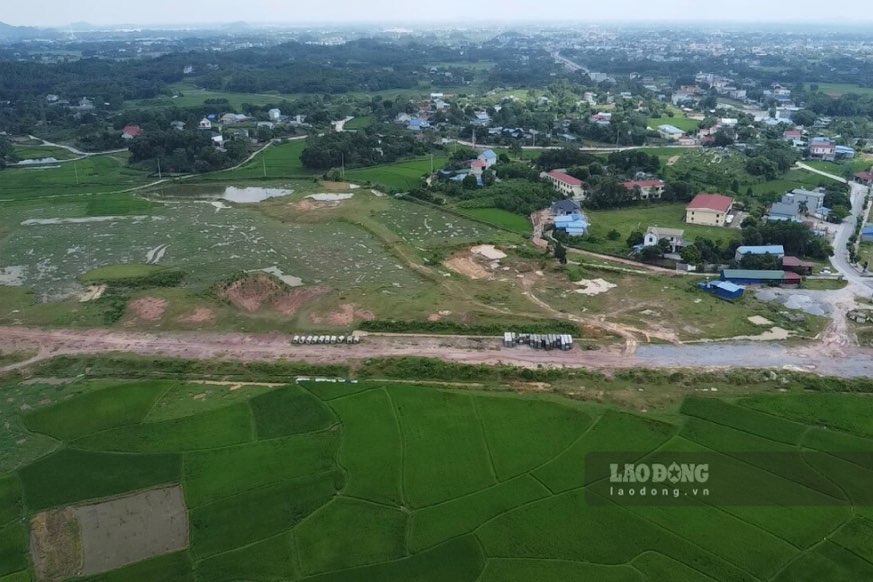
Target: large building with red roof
{"type": "Point", "coordinates": [648, 189]}
{"type": "Point", "coordinates": [709, 210]}
{"type": "Point", "coordinates": [566, 184]}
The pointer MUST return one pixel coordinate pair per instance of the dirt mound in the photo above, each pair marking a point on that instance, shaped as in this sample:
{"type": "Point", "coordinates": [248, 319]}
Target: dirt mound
{"type": "Point", "coordinates": [259, 290]}
{"type": "Point", "coordinates": [345, 316]}
{"type": "Point", "coordinates": [290, 303]}
{"type": "Point", "coordinates": [148, 308]}
{"type": "Point", "coordinates": [465, 265]}
{"type": "Point", "coordinates": [251, 292]}
{"type": "Point", "coordinates": [199, 315]}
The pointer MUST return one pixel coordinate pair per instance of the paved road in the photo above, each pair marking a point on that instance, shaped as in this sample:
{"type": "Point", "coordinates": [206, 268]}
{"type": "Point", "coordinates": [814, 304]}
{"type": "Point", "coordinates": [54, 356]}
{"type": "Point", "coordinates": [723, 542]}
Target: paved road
{"type": "Point", "coordinates": [840, 260]}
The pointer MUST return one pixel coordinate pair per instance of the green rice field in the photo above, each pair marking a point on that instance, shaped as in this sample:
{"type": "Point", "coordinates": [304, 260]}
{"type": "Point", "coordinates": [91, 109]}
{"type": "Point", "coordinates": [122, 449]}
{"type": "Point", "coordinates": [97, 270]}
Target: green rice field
{"type": "Point", "coordinates": [322, 481]}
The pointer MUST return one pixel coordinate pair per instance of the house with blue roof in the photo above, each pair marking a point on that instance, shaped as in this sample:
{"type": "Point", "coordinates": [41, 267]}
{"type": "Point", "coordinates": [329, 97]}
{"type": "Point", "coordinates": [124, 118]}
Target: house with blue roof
{"type": "Point", "coordinates": [418, 124]}
{"type": "Point", "coordinates": [489, 157]}
{"type": "Point", "coordinates": [723, 289]}
{"type": "Point", "coordinates": [867, 233]}
{"type": "Point", "coordinates": [575, 224]}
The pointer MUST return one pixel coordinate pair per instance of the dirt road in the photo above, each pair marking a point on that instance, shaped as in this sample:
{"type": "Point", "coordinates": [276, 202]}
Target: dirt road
{"type": "Point", "coordinates": [847, 361]}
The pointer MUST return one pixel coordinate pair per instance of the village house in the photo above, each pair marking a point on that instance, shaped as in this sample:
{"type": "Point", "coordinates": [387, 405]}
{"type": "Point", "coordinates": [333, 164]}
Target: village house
{"type": "Point", "coordinates": [709, 210]}
{"type": "Point", "coordinates": [670, 132]}
{"type": "Point", "coordinates": [760, 277]}
{"type": "Point", "coordinates": [131, 132]}
{"type": "Point", "coordinates": [205, 124]}
{"type": "Point", "coordinates": [601, 118]}
{"type": "Point", "coordinates": [864, 177]}
{"type": "Point", "coordinates": [566, 184]}
{"type": "Point", "coordinates": [565, 207]}
{"type": "Point", "coordinates": [648, 189]}
{"type": "Point", "coordinates": [822, 148]}
{"type": "Point", "coordinates": [795, 265]}
{"type": "Point", "coordinates": [674, 236]}
{"type": "Point", "coordinates": [275, 114]}
{"type": "Point", "coordinates": [489, 157]}
{"type": "Point", "coordinates": [178, 125]}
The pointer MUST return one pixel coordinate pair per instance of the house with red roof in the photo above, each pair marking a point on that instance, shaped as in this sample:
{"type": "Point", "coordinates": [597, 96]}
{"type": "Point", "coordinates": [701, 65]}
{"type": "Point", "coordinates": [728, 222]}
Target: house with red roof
{"type": "Point", "coordinates": [709, 210]}
{"type": "Point", "coordinates": [865, 177]}
{"type": "Point", "coordinates": [477, 167]}
{"type": "Point", "coordinates": [565, 184]}
{"type": "Point", "coordinates": [648, 189]}
{"type": "Point", "coordinates": [131, 132]}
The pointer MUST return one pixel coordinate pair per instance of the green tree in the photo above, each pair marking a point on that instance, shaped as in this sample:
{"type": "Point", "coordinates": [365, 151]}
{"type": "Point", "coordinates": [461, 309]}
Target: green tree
{"type": "Point", "coordinates": [560, 253]}
{"type": "Point", "coordinates": [635, 238]}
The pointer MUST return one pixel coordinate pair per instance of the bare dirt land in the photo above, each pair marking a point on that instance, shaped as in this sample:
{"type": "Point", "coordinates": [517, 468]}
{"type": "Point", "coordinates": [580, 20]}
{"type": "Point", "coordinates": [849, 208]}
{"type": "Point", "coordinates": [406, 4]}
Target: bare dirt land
{"type": "Point", "coordinates": [465, 264]}
{"type": "Point", "coordinates": [345, 316]}
{"type": "Point", "coordinates": [290, 303]}
{"type": "Point", "coordinates": [55, 544]}
{"type": "Point", "coordinates": [132, 528]}
{"type": "Point", "coordinates": [199, 315]}
{"type": "Point", "coordinates": [148, 308]}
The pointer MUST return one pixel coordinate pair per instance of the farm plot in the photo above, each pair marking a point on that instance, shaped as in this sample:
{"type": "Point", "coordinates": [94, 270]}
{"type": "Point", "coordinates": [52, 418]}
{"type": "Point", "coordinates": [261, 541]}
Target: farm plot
{"type": "Point", "coordinates": [206, 242]}
{"type": "Point", "coordinates": [423, 226]}
{"type": "Point", "coordinates": [396, 481]}
{"type": "Point", "coordinates": [111, 534]}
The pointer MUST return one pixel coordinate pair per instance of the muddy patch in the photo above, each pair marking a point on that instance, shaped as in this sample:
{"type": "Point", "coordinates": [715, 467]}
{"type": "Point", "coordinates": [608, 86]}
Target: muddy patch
{"type": "Point", "coordinates": [758, 320]}
{"type": "Point", "coordinates": [199, 315]}
{"type": "Point", "coordinates": [253, 195]}
{"type": "Point", "coordinates": [88, 219]}
{"type": "Point", "coordinates": [55, 544]}
{"type": "Point", "coordinates": [148, 308]}
{"type": "Point", "coordinates": [154, 256]}
{"type": "Point", "coordinates": [129, 529]}
{"type": "Point", "coordinates": [345, 316]}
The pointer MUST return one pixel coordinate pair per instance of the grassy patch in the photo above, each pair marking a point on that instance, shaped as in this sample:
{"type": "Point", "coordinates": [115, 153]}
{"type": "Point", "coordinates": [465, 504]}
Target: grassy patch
{"type": "Point", "coordinates": [72, 475]}
{"type": "Point", "coordinates": [458, 559]}
{"type": "Point", "coordinates": [431, 525]}
{"type": "Point", "coordinates": [683, 123]}
{"type": "Point", "coordinates": [115, 273]}
{"type": "Point", "coordinates": [13, 548]}
{"type": "Point", "coordinates": [175, 567]}
{"type": "Point", "coordinates": [501, 218]}
{"type": "Point", "coordinates": [212, 475]}
{"type": "Point", "coordinates": [119, 405]}
{"type": "Point", "coordinates": [550, 429]}
{"type": "Point", "coordinates": [222, 427]}
{"type": "Point", "coordinates": [270, 559]}
{"type": "Point", "coordinates": [446, 454]}
{"type": "Point", "coordinates": [371, 449]}
{"type": "Point", "coordinates": [852, 413]}
{"type": "Point", "coordinates": [396, 177]}
{"type": "Point", "coordinates": [751, 421]}
{"type": "Point", "coordinates": [509, 570]}
{"type": "Point", "coordinates": [10, 499]}
{"type": "Point", "coordinates": [348, 533]}
{"type": "Point", "coordinates": [258, 514]}
{"type": "Point", "coordinates": [827, 562]}
{"type": "Point", "coordinates": [362, 122]}
{"type": "Point", "coordinates": [289, 411]}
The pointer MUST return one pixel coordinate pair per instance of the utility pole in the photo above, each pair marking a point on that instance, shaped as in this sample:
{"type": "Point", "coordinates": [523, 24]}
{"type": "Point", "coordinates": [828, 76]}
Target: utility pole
{"type": "Point", "coordinates": [264, 163]}
{"type": "Point", "coordinates": [160, 176]}
{"type": "Point", "coordinates": [343, 164]}
{"type": "Point", "coordinates": [76, 168]}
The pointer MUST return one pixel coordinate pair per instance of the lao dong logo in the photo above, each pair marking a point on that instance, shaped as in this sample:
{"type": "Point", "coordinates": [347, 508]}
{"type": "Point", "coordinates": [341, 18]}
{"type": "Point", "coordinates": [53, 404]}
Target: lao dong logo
{"type": "Point", "coordinates": [658, 479]}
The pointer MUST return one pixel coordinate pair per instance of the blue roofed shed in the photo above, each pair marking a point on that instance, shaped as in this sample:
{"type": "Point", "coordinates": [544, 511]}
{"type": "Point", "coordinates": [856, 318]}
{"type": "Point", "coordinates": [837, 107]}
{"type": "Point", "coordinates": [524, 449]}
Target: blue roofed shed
{"type": "Point", "coordinates": [723, 290]}
{"type": "Point", "coordinates": [867, 233]}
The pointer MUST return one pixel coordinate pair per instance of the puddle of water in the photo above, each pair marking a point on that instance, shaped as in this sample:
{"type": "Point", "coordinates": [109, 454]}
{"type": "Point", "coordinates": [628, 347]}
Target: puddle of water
{"type": "Point", "coordinates": [289, 280]}
{"type": "Point", "coordinates": [50, 221]}
{"type": "Point", "coordinates": [330, 197]}
{"type": "Point", "coordinates": [12, 276]}
{"type": "Point", "coordinates": [253, 194]}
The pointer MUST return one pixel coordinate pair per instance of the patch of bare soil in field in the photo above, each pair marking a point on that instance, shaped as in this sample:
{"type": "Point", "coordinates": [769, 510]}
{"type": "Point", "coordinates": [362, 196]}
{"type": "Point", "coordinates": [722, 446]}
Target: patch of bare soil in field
{"type": "Point", "coordinates": [199, 315]}
{"type": "Point", "coordinates": [345, 316]}
{"type": "Point", "coordinates": [466, 265]}
{"type": "Point", "coordinates": [132, 528]}
{"type": "Point", "coordinates": [148, 308]}
{"type": "Point", "coordinates": [55, 544]}
{"type": "Point", "coordinates": [290, 303]}
{"type": "Point", "coordinates": [257, 291]}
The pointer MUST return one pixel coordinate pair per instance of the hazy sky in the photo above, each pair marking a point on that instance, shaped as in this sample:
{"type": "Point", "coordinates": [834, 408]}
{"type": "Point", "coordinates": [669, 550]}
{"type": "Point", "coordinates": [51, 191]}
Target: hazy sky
{"type": "Point", "coordinates": [59, 12]}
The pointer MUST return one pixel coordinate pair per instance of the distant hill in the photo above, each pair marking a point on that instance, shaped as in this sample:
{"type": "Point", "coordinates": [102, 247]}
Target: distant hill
{"type": "Point", "coordinates": [9, 32]}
